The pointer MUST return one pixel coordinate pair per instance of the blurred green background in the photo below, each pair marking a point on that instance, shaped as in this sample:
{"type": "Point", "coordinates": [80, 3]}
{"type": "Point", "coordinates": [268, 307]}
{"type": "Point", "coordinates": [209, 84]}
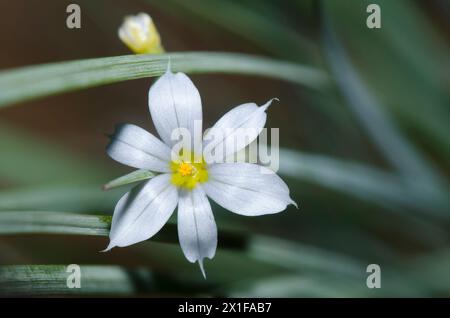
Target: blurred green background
{"type": "Point", "coordinates": [366, 155]}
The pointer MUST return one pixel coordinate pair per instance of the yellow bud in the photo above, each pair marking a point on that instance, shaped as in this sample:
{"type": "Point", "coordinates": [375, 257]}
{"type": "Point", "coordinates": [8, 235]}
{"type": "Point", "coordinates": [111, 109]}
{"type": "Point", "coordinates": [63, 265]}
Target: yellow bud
{"type": "Point", "coordinates": [139, 33]}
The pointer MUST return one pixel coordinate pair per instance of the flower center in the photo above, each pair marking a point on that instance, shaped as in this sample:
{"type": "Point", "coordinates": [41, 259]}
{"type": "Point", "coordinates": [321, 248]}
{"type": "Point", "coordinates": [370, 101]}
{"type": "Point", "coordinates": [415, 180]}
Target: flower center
{"type": "Point", "coordinates": [185, 169]}
{"type": "Point", "coordinates": [188, 170]}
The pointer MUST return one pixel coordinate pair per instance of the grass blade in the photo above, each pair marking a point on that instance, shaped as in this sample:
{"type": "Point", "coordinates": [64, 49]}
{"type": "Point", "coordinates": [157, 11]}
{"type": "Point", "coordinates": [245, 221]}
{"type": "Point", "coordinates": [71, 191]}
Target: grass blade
{"type": "Point", "coordinates": [26, 222]}
{"type": "Point", "coordinates": [27, 83]}
{"type": "Point", "coordinates": [359, 180]}
{"type": "Point", "coordinates": [389, 140]}
{"type": "Point", "coordinates": [22, 280]}
{"type": "Point", "coordinates": [69, 223]}
{"type": "Point", "coordinates": [60, 197]}
{"type": "Point", "coordinates": [132, 177]}
{"type": "Point", "coordinates": [28, 160]}
{"type": "Point", "coordinates": [246, 22]}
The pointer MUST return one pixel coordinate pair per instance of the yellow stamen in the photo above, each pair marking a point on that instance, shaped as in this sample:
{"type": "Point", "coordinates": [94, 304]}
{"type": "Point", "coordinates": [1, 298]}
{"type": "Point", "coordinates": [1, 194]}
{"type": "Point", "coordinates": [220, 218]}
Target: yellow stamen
{"type": "Point", "coordinates": [188, 171]}
{"type": "Point", "coordinates": [185, 169]}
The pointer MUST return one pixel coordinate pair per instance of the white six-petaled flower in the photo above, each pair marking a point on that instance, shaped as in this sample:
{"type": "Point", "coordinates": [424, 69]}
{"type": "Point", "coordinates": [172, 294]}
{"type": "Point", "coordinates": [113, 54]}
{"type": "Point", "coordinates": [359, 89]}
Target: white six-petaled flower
{"type": "Point", "coordinates": [242, 188]}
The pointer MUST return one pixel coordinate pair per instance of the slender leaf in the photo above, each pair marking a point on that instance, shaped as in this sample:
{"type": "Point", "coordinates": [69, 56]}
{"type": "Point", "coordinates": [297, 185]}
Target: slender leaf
{"type": "Point", "coordinates": [37, 81]}
{"type": "Point", "coordinates": [362, 181]}
{"type": "Point", "coordinates": [404, 65]}
{"type": "Point", "coordinates": [246, 22]}
{"type": "Point", "coordinates": [132, 177]}
{"type": "Point", "coordinates": [50, 222]}
{"type": "Point", "coordinates": [298, 286]}
{"type": "Point", "coordinates": [60, 197]}
{"type": "Point", "coordinates": [326, 285]}
{"type": "Point", "coordinates": [22, 280]}
{"type": "Point", "coordinates": [28, 160]}
{"type": "Point", "coordinates": [22, 222]}
{"type": "Point", "coordinates": [301, 257]}
{"type": "Point", "coordinates": [366, 108]}
{"type": "Point", "coordinates": [358, 180]}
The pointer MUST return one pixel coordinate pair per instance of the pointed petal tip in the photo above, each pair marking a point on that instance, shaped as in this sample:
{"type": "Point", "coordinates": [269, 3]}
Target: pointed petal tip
{"type": "Point", "coordinates": [202, 269]}
{"type": "Point", "coordinates": [268, 103]}
{"type": "Point", "coordinates": [110, 247]}
{"type": "Point", "coordinates": [294, 204]}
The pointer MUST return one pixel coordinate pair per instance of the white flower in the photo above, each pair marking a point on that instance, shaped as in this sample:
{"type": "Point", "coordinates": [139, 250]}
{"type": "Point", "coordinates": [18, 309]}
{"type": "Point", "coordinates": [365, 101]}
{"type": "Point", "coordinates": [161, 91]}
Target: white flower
{"type": "Point", "coordinates": [139, 33]}
{"type": "Point", "coordinates": [242, 188]}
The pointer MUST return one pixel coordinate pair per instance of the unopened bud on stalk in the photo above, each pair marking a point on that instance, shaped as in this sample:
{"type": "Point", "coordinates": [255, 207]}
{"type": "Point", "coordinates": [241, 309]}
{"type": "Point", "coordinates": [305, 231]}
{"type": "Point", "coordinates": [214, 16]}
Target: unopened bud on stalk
{"type": "Point", "coordinates": [139, 33]}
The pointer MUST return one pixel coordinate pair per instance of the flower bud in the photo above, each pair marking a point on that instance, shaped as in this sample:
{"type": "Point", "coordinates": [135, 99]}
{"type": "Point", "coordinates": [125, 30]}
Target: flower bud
{"type": "Point", "coordinates": [139, 33]}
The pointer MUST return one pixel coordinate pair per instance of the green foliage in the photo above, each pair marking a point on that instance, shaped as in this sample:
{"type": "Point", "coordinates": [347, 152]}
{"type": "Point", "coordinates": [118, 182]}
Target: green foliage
{"type": "Point", "coordinates": [382, 200]}
{"type": "Point", "coordinates": [22, 84]}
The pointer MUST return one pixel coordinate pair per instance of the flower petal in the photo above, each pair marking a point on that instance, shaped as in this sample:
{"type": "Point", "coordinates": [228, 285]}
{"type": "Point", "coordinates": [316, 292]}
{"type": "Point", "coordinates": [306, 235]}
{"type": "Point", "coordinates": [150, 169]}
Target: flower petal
{"type": "Point", "coordinates": [234, 131]}
{"type": "Point", "coordinates": [143, 211]}
{"type": "Point", "coordinates": [197, 230]}
{"type": "Point", "coordinates": [247, 189]}
{"type": "Point", "coordinates": [175, 102]}
{"type": "Point", "coordinates": [135, 147]}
